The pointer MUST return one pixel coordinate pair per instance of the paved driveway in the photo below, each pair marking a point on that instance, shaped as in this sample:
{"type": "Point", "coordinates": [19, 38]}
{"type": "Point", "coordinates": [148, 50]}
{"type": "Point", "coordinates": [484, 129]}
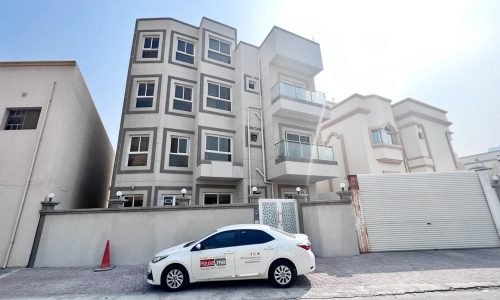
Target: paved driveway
{"type": "Point", "coordinates": [397, 273]}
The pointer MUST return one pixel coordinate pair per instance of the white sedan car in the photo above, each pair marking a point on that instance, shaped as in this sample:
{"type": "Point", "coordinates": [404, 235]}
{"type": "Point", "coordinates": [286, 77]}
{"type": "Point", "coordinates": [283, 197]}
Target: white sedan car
{"type": "Point", "coordinates": [247, 251]}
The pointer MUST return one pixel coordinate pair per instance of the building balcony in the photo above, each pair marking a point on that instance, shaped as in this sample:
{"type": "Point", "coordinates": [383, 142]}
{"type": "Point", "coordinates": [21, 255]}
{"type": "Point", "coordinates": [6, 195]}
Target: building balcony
{"type": "Point", "coordinates": [219, 170]}
{"type": "Point", "coordinates": [288, 50]}
{"type": "Point", "coordinates": [388, 153]}
{"type": "Point", "coordinates": [299, 103]}
{"type": "Point", "coordinates": [299, 162]}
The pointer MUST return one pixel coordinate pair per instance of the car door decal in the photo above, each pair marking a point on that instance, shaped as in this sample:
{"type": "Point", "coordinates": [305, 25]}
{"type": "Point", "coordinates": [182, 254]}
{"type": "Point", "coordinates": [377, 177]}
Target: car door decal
{"type": "Point", "coordinates": [212, 263]}
{"type": "Point", "coordinates": [253, 258]}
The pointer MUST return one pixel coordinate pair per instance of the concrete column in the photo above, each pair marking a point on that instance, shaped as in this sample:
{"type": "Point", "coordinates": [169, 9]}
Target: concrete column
{"type": "Point", "coordinates": [116, 203]}
{"type": "Point", "coordinates": [49, 205]}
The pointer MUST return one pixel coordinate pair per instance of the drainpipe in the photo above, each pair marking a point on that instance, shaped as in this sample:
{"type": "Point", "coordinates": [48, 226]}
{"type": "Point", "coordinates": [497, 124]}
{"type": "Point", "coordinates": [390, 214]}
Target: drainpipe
{"type": "Point", "coordinates": [249, 151]}
{"type": "Point", "coordinates": [28, 179]}
{"type": "Point", "coordinates": [264, 163]}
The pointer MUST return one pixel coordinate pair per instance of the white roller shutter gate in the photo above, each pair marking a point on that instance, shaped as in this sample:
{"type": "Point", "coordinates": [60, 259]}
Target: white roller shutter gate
{"type": "Point", "coordinates": [426, 211]}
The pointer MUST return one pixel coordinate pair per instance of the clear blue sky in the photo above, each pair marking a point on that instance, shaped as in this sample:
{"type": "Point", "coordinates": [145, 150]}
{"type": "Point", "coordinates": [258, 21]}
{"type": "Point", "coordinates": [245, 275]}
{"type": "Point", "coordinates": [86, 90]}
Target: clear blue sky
{"type": "Point", "coordinates": [446, 53]}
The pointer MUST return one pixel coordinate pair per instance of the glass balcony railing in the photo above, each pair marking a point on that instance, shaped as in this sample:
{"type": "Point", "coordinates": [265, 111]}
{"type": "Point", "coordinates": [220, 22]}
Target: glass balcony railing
{"type": "Point", "coordinates": [297, 92]}
{"type": "Point", "coordinates": [290, 149]}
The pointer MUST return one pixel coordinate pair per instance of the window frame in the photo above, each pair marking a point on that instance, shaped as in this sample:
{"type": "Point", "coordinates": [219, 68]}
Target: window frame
{"type": "Point", "coordinates": [24, 114]}
{"type": "Point", "coordinates": [218, 51]}
{"type": "Point", "coordinates": [129, 151]}
{"type": "Point", "coordinates": [218, 197]}
{"type": "Point", "coordinates": [187, 154]}
{"type": "Point", "coordinates": [150, 48]}
{"type": "Point", "coordinates": [133, 200]}
{"type": "Point", "coordinates": [185, 51]}
{"type": "Point", "coordinates": [385, 136]}
{"type": "Point", "coordinates": [137, 96]}
{"type": "Point", "coordinates": [300, 135]}
{"type": "Point", "coordinates": [175, 98]}
{"type": "Point", "coordinates": [230, 153]}
{"type": "Point", "coordinates": [218, 98]}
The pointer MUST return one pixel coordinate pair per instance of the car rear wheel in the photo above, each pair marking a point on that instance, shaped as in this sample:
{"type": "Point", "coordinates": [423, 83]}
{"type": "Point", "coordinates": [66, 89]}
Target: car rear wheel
{"type": "Point", "coordinates": [282, 274]}
{"type": "Point", "coordinates": [174, 278]}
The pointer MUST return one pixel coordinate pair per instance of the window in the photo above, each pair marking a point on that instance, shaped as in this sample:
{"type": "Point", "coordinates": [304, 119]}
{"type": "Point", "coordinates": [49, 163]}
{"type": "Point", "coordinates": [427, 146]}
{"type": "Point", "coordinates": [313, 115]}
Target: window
{"type": "Point", "coordinates": [253, 237]}
{"type": "Point", "coordinates": [219, 96]}
{"type": "Point", "coordinates": [168, 200]}
{"type": "Point", "coordinates": [138, 154]}
{"type": "Point", "coordinates": [220, 240]}
{"type": "Point", "coordinates": [382, 136]}
{"type": "Point", "coordinates": [183, 98]}
{"type": "Point", "coordinates": [185, 52]}
{"type": "Point", "coordinates": [150, 47]}
{"type": "Point", "coordinates": [145, 93]}
{"type": "Point", "coordinates": [297, 137]}
{"type": "Point", "coordinates": [252, 84]}
{"type": "Point", "coordinates": [133, 200]}
{"type": "Point", "coordinates": [219, 50]}
{"type": "Point", "coordinates": [253, 137]}
{"type": "Point", "coordinates": [298, 145]}
{"type": "Point", "coordinates": [216, 198]}
{"type": "Point", "coordinates": [420, 132]}
{"type": "Point", "coordinates": [179, 152]}
{"type": "Point", "coordinates": [217, 148]}
{"type": "Point", "coordinates": [19, 119]}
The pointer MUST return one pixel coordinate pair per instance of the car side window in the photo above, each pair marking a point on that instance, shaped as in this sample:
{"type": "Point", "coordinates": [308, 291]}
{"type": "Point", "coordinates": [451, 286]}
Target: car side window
{"type": "Point", "coordinates": [220, 240]}
{"type": "Point", "coordinates": [253, 237]}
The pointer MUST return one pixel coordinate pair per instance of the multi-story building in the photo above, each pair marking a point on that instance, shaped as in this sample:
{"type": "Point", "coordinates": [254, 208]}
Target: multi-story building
{"type": "Point", "coordinates": [206, 113]}
{"type": "Point", "coordinates": [52, 141]}
{"type": "Point", "coordinates": [482, 161]}
{"type": "Point", "coordinates": [372, 136]}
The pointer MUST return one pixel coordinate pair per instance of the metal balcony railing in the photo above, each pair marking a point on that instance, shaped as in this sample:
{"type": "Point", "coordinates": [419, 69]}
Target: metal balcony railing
{"type": "Point", "coordinates": [297, 92]}
{"type": "Point", "coordinates": [291, 149]}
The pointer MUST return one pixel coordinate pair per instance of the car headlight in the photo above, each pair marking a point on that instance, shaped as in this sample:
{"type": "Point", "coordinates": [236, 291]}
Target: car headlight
{"type": "Point", "coordinates": [158, 258]}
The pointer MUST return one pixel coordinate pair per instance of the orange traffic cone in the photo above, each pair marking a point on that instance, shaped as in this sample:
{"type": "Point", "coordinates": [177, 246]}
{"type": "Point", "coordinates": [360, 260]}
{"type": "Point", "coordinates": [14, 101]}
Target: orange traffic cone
{"type": "Point", "coordinates": [105, 265]}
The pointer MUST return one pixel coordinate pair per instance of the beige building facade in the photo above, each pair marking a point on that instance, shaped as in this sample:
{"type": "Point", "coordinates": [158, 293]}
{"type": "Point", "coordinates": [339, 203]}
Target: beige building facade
{"type": "Point", "coordinates": [51, 141]}
{"type": "Point", "coordinates": [373, 136]}
{"type": "Point", "coordinates": [206, 113]}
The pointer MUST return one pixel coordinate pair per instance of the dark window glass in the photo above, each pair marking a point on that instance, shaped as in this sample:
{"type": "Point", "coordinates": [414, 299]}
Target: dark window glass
{"type": "Point", "coordinates": [212, 143]}
{"type": "Point", "coordinates": [182, 105]}
{"type": "Point", "coordinates": [213, 44]}
{"type": "Point", "coordinates": [220, 57]}
{"type": "Point", "coordinates": [253, 137]}
{"type": "Point", "coordinates": [304, 139]}
{"type": "Point", "coordinates": [135, 160]}
{"type": "Point", "coordinates": [219, 104]}
{"type": "Point", "coordinates": [150, 89]}
{"type": "Point", "coordinates": [155, 43]}
{"type": "Point", "coordinates": [176, 160]}
{"type": "Point", "coordinates": [213, 90]}
{"type": "Point", "coordinates": [251, 85]}
{"type": "Point", "coordinates": [220, 240]}
{"type": "Point", "coordinates": [217, 156]}
{"type": "Point", "coordinates": [147, 42]}
{"type": "Point", "coordinates": [181, 45]}
{"type": "Point", "coordinates": [182, 146]}
{"type": "Point", "coordinates": [188, 93]}
{"type": "Point", "coordinates": [179, 91]}
{"type": "Point", "coordinates": [224, 145]}
{"type": "Point", "coordinates": [173, 145]}
{"type": "Point", "coordinates": [210, 199]}
{"type": "Point", "coordinates": [184, 58]}
{"type": "Point", "coordinates": [189, 48]}
{"type": "Point", "coordinates": [292, 137]}
{"type": "Point", "coordinates": [253, 237]}
{"type": "Point", "coordinates": [224, 199]}
{"type": "Point", "coordinates": [149, 53]}
{"type": "Point", "coordinates": [141, 91]}
{"type": "Point", "coordinates": [225, 93]}
{"type": "Point", "coordinates": [225, 48]}
{"type": "Point", "coordinates": [144, 102]}
{"type": "Point", "coordinates": [144, 143]}
{"type": "Point", "coordinates": [134, 144]}
{"type": "Point", "coordinates": [168, 200]}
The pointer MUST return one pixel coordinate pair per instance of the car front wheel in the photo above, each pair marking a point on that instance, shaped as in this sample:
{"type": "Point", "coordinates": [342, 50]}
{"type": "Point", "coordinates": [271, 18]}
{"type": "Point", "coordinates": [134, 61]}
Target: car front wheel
{"type": "Point", "coordinates": [174, 278]}
{"type": "Point", "coordinates": [282, 274]}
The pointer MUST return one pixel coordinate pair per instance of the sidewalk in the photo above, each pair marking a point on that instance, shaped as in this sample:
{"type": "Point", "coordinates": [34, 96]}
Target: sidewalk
{"type": "Point", "coordinates": [368, 275]}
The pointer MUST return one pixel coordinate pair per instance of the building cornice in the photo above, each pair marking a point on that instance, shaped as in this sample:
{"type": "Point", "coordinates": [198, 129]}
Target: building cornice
{"type": "Point", "coordinates": [411, 100]}
{"type": "Point", "coordinates": [357, 110]}
{"type": "Point", "coordinates": [355, 95]}
{"type": "Point", "coordinates": [422, 116]}
{"type": "Point", "coordinates": [39, 63]}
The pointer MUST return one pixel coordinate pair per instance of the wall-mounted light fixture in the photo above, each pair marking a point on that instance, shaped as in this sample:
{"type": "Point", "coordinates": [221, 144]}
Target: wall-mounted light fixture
{"type": "Point", "coordinates": [254, 189]}
{"type": "Point", "coordinates": [342, 186]}
{"type": "Point", "coordinates": [119, 194]}
{"type": "Point", "coordinates": [51, 196]}
{"type": "Point", "coordinates": [298, 189]}
{"type": "Point", "coordinates": [183, 192]}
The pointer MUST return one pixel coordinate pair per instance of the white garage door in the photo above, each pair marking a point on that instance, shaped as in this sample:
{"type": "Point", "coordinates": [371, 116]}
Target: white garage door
{"type": "Point", "coordinates": [426, 211]}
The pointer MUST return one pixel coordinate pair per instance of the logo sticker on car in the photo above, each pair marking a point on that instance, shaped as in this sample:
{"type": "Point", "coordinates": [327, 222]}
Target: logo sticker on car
{"type": "Point", "coordinates": [213, 262]}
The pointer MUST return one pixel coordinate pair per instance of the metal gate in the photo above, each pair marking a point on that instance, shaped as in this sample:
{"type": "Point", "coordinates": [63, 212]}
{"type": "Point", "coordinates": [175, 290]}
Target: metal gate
{"type": "Point", "coordinates": [279, 213]}
{"type": "Point", "coordinates": [426, 211]}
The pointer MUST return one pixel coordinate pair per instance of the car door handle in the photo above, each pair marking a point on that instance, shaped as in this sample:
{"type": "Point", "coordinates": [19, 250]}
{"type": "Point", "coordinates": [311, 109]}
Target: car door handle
{"type": "Point", "coordinates": [229, 252]}
{"type": "Point", "coordinates": [269, 248]}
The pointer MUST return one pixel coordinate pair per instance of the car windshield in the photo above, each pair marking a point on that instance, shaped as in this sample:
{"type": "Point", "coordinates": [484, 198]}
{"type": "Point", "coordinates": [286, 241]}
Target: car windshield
{"type": "Point", "coordinates": [283, 232]}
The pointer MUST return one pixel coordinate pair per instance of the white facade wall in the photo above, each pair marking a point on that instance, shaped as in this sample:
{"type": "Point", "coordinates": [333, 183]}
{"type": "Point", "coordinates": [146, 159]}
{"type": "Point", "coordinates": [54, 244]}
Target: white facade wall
{"type": "Point", "coordinates": [161, 121]}
{"type": "Point", "coordinates": [74, 156]}
{"type": "Point", "coordinates": [488, 160]}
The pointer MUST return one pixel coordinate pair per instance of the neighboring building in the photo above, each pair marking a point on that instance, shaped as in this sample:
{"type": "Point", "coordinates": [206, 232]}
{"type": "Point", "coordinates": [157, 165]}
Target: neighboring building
{"type": "Point", "coordinates": [482, 161]}
{"type": "Point", "coordinates": [51, 141]}
{"type": "Point", "coordinates": [372, 136]}
{"type": "Point", "coordinates": [217, 117]}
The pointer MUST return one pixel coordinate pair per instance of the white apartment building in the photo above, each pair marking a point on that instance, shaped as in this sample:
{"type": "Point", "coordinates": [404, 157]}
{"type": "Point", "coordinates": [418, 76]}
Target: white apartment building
{"type": "Point", "coordinates": [51, 141]}
{"type": "Point", "coordinates": [375, 136]}
{"type": "Point", "coordinates": [206, 113]}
